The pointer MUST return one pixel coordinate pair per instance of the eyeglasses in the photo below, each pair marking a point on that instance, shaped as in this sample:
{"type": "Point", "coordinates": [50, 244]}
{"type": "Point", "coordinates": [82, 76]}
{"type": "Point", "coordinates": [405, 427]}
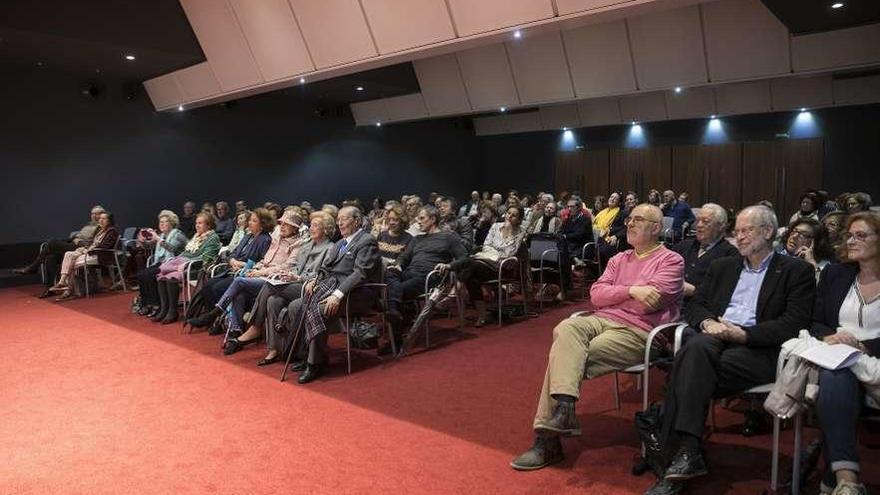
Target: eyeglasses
{"type": "Point", "coordinates": [637, 220]}
{"type": "Point", "coordinates": [747, 231]}
{"type": "Point", "coordinates": [857, 236]}
{"type": "Point", "coordinates": [803, 234]}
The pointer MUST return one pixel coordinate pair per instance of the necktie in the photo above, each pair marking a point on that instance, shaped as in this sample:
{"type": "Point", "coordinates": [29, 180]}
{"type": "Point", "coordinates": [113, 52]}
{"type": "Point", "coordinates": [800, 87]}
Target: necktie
{"type": "Point", "coordinates": [342, 247]}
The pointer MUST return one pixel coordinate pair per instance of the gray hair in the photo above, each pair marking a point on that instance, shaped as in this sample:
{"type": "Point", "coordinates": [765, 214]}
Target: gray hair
{"type": "Point", "coordinates": [765, 216]}
{"type": "Point", "coordinates": [547, 197]}
{"type": "Point", "coordinates": [99, 208]}
{"type": "Point", "coordinates": [431, 212]}
{"type": "Point", "coordinates": [354, 212]}
{"type": "Point", "coordinates": [171, 217]}
{"type": "Point", "coordinates": [719, 214]}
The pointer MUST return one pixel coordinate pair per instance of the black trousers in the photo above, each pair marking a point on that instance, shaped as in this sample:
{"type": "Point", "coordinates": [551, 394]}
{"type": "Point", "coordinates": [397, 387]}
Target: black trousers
{"type": "Point", "coordinates": [147, 286]}
{"type": "Point", "coordinates": [404, 286]}
{"type": "Point", "coordinates": [214, 288]}
{"type": "Point", "coordinates": [51, 257]}
{"type": "Point", "coordinates": [706, 368]}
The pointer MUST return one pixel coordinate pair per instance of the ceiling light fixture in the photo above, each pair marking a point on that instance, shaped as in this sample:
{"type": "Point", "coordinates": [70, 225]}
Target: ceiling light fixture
{"type": "Point", "coordinates": [378, 124]}
{"type": "Point", "coordinates": [129, 57]}
{"type": "Point", "coordinates": [503, 109]}
{"type": "Point", "coordinates": [678, 89]}
{"type": "Point", "coordinates": [836, 5]}
{"type": "Point", "coordinates": [803, 109]}
{"type": "Point", "coordinates": [179, 108]}
{"type": "Point", "coordinates": [359, 88]}
{"type": "Point", "coordinates": [517, 34]}
{"type": "Point", "coordinates": [302, 80]}
{"type": "Point", "coordinates": [565, 128]}
{"type": "Point", "coordinates": [713, 116]}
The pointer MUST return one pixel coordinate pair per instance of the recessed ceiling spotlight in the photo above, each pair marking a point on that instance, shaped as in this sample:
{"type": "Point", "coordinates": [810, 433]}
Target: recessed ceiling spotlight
{"type": "Point", "coordinates": [565, 128]}
{"type": "Point", "coordinates": [179, 108]}
{"type": "Point", "coordinates": [836, 5]}
{"type": "Point", "coordinates": [129, 57]}
{"type": "Point", "coordinates": [502, 109]}
{"type": "Point", "coordinates": [713, 116]}
{"type": "Point", "coordinates": [359, 88]}
{"type": "Point", "coordinates": [517, 34]}
{"type": "Point", "coordinates": [378, 124]}
{"type": "Point", "coordinates": [803, 109]}
{"type": "Point", "coordinates": [678, 89]}
{"type": "Point", "coordinates": [634, 122]}
{"type": "Point", "coordinates": [39, 64]}
{"type": "Point", "coordinates": [302, 80]}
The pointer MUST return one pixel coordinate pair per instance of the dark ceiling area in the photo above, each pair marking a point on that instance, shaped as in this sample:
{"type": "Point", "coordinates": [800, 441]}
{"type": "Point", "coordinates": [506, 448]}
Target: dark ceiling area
{"type": "Point", "coordinates": [814, 16]}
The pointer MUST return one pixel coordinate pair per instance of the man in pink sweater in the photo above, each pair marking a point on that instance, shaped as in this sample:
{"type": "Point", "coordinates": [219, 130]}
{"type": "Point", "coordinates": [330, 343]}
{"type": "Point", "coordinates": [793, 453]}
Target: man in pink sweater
{"type": "Point", "coordinates": [641, 288]}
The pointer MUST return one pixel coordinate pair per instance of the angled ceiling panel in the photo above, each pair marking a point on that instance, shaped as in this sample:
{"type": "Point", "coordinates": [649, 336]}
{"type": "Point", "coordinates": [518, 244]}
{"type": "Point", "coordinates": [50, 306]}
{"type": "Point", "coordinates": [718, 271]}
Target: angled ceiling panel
{"type": "Point", "coordinates": [668, 48]}
{"type": "Point", "coordinates": [559, 116]}
{"type": "Point", "coordinates": [571, 6]}
{"type": "Point", "coordinates": [691, 103]}
{"type": "Point", "coordinates": [856, 90]}
{"type": "Point", "coordinates": [441, 84]}
{"type": "Point", "coordinates": [335, 31]}
{"type": "Point", "coordinates": [791, 93]}
{"type": "Point", "coordinates": [648, 107]}
{"type": "Point", "coordinates": [370, 112]}
{"type": "Point", "coordinates": [745, 97]}
{"type": "Point", "coordinates": [164, 91]}
{"type": "Point", "coordinates": [223, 42]}
{"type": "Point", "coordinates": [274, 37]}
{"type": "Point", "coordinates": [400, 25]}
{"type": "Point", "coordinates": [472, 17]}
{"type": "Point", "coordinates": [744, 40]}
{"type": "Point", "coordinates": [540, 69]}
{"type": "Point", "coordinates": [524, 122]}
{"type": "Point", "coordinates": [197, 82]}
{"type": "Point", "coordinates": [833, 49]}
{"type": "Point", "coordinates": [599, 111]}
{"type": "Point", "coordinates": [487, 77]}
{"type": "Point", "coordinates": [406, 107]}
{"type": "Point", "coordinates": [487, 126]}
{"type": "Point", "coordinates": [596, 46]}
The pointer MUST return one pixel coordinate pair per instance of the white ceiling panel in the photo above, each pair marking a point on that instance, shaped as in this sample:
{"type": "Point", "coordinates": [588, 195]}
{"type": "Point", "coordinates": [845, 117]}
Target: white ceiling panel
{"type": "Point", "coordinates": [472, 17]}
{"type": "Point", "coordinates": [599, 111]}
{"type": "Point", "coordinates": [370, 112]}
{"type": "Point", "coordinates": [274, 37]}
{"type": "Point", "coordinates": [487, 77]}
{"type": "Point", "coordinates": [441, 85]}
{"type": "Point", "coordinates": [692, 103]}
{"type": "Point", "coordinates": [600, 59]}
{"type": "Point", "coordinates": [487, 126]}
{"type": "Point", "coordinates": [540, 69]}
{"type": "Point", "coordinates": [335, 31]}
{"type": "Point", "coordinates": [398, 25]}
{"type": "Point", "coordinates": [571, 6]}
{"type": "Point", "coordinates": [745, 97]}
{"type": "Point", "coordinates": [648, 107]}
{"type": "Point", "coordinates": [668, 48]}
{"type": "Point", "coordinates": [197, 81]}
{"type": "Point", "coordinates": [856, 90]}
{"type": "Point", "coordinates": [744, 40]}
{"type": "Point", "coordinates": [223, 42]}
{"type": "Point", "coordinates": [839, 48]}
{"type": "Point", "coordinates": [791, 93]}
{"type": "Point", "coordinates": [524, 122]}
{"type": "Point", "coordinates": [559, 116]}
{"type": "Point", "coordinates": [406, 107]}
{"type": "Point", "coordinates": [164, 91]}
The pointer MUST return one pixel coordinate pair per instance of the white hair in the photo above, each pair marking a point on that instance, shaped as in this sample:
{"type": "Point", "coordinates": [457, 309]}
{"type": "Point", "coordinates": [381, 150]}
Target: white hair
{"type": "Point", "coordinates": [719, 214]}
{"type": "Point", "coordinates": [765, 216]}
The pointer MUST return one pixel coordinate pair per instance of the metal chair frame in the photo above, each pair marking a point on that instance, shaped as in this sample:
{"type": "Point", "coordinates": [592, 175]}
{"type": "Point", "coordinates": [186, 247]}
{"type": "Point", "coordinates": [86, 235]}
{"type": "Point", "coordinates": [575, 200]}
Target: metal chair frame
{"type": "Point", "coordinates": [500, 281]}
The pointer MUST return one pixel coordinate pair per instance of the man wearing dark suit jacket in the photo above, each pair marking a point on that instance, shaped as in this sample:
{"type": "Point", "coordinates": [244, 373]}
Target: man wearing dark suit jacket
{"type": "Point", "coordinates": [354, 260]}
{"type": "Point", "coordinates": [745, 309]}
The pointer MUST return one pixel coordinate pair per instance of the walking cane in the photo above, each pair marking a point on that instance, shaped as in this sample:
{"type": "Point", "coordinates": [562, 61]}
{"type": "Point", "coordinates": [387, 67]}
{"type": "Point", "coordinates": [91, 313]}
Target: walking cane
{"type": "Point", "coordinates": [299, 326]}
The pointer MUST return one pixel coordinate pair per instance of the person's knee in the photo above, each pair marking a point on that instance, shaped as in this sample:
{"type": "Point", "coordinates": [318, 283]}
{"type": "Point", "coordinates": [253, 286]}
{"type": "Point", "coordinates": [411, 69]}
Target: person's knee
{"type": "Point", "coordinates": [563, 331]}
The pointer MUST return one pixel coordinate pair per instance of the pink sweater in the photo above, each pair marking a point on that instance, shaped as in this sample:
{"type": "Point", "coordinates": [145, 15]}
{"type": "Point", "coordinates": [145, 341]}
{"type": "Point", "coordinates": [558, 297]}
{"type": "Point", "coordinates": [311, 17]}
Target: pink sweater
{"type": "Point", "coordinates": [663, 269]}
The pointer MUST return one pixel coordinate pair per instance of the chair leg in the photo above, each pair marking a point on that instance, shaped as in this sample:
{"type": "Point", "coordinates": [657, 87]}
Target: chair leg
{"type": "Point", "coordinates": [347, 341]}
{"type": "Point", "coordinates": [774, 463]}
{"type": "Point", "coordinates": [500, 298]}
{"type": "Point", "coordinates": [796, 461]}
{"type": "Point", "coordinates": [645, 388]}
{"type": "Point", "coordinates": [616, 391]}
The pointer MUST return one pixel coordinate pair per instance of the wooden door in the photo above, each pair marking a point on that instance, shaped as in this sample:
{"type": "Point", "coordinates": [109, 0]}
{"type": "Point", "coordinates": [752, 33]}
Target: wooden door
{"type": "Point", "coordinates": [656, 171]}
{"type": "Point", "coordinates": [689, 173]}
{"type": "Point", "coordinates": [641, 169]}
{"type": "Point", "coordinates": [597, 179]}
{"type": "Point", "coordinates": [802, 161]}
{"type": "Point", "coordinates": [761, 177]}
{"type": "Point", "coordinates": [709, 173]}
{"type": "Point", "coordinates": [568, 166]}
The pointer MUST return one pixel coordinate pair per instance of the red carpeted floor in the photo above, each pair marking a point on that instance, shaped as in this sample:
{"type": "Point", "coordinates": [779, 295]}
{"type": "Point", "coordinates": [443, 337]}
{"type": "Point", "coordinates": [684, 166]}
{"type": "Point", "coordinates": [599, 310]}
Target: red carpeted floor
{"type": "Point", "coordinates": [96, 400]}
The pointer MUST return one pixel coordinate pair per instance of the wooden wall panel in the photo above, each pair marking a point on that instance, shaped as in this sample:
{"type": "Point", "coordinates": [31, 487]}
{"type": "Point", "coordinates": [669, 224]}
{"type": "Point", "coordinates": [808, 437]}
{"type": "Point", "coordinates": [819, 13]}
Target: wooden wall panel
{"type": "Point", "coordinates": [780, 171]}
{"type": "Point", "coordinates": [641, 169]}
{"type": "Point", "coordinates": [708, 173]}
{"type": "Point", "coordinates": [597, 174]}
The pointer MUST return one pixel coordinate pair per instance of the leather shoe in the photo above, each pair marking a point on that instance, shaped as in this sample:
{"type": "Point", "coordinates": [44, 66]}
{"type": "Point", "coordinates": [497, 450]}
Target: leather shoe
{"type": "Point", "coordinates": [268, 361]}
{"type": "Point", "coordinates": [545, 451]}
{"type": "Point", "coordinates": [666, 487]}
{"type": "Point", "coordinates": [563, 422]}
{"type": "Point", "coordinates": [234, 345]}
{"type": "Point", "coordinates": [45, 294]}
{"type": "Point", "coordinates": [216, 329]}
{"type": "Point", "coordinates": [298, 366]}
{"type": "Point", "coordinates": [685, 465]}
{"type": "Point", "coordinates": [310, 374]}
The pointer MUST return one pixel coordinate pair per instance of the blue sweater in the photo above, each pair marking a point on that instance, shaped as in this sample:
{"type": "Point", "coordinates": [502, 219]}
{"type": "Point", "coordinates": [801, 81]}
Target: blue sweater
{"type": "Point", "coordinates": [251, 247]}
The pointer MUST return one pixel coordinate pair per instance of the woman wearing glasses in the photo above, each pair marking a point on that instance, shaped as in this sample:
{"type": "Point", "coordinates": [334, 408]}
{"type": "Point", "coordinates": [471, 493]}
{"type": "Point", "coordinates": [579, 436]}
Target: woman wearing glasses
{"type": "Point", "coordinates": [847, 312]}
{"type": "Point", "coordinates": [808, 240]}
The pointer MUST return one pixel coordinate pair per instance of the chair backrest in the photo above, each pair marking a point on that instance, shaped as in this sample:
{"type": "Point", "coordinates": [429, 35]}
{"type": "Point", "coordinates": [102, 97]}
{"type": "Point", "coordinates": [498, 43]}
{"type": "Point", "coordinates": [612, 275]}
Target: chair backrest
{"type": "Point", "coordinates": [129, 233]}
{"type": "Point", "coordinates": [667, 225]}
{"type": "Point", "coordinates": [73, 234]}
{"type": "Point", "coordinates": [540, 242]}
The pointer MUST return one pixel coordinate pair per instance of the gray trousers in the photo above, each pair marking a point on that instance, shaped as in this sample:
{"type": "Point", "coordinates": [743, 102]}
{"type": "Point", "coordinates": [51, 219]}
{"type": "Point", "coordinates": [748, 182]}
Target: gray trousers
{"type": "Point", "coordinates": [270, 301]}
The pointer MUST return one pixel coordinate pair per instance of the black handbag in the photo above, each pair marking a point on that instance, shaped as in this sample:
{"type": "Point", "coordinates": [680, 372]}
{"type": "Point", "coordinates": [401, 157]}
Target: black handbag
{"type": "Point", "coordinates": [648, 426]}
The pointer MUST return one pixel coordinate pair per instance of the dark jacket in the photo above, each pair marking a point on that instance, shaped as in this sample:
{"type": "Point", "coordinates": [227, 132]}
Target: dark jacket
{"type": "Point", "coordinates": [577, 232]}
{"type": "Point", "coordinates": [107, 241]}
{"type": "Point", "coordinates": [834, 284]}
{"type": "Point", "coordinates": [251, 248]}
{"type": "Point", "coordinates": [695, 267]}
{"type": "Point", "coordinates": [784, 302]}
{"type": "Point", "coordinates": [359, 263]}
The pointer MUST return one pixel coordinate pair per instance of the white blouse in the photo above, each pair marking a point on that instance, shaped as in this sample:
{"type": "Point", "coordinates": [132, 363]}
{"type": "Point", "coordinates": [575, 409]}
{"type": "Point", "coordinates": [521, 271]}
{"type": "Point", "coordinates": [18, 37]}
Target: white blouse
{"type": "Point", "coordinates": [858, 316]}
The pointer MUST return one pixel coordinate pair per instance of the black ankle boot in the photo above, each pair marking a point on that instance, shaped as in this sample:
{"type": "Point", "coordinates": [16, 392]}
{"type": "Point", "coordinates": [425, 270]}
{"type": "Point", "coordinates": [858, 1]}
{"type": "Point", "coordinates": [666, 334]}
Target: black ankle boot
{"type": "Point", "coordinates": [206, 319]}
{"type": "Point", "coordinates": [173, 294]}
{"type": "Point", "coordinates": [163, 302]}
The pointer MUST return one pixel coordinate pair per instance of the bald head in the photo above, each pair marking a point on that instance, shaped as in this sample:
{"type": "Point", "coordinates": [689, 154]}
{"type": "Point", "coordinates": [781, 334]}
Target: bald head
{"type": "Point", "coordinates": [643, 226]}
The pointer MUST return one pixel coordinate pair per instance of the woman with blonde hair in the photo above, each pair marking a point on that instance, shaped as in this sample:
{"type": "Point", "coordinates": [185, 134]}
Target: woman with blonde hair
{"type": "Point", "coordinates": [393, 238]}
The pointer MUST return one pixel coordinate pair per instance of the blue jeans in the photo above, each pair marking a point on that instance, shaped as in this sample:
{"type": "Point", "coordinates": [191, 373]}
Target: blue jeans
{"type": "Point", "coordinates": [238, 298]}
{"type": "Point", "coordinates": [838, 407]}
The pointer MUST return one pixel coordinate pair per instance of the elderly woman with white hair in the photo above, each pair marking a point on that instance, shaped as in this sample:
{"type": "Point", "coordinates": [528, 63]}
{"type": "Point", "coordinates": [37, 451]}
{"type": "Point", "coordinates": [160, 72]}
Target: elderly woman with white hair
{"type": "Point", "coordinates": [167, 243]}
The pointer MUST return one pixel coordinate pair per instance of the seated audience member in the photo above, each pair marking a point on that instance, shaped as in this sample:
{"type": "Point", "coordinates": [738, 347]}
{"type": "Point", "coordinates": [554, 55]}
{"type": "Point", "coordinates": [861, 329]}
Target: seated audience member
{"type": "Point", "coordinates": [461, 227]}
{"type": "Point", "coordinates": [249, 251]}
{"type": "Point", "coordinates": [52, 250]}
{"type": "Point", "coordinates": [203, 247]}
{"type": "Point", "coordinates": [603, 220]}
{"type": "Point", "coordinates": [273, 298]}
{"type": "Point", "coordinates": [241, 223]}
{"type": "Point", "coordinates": [208, 207]}
{"type": "Point", "coordinates": [847, 312]}
{"type": "Point", "coordinates": [526, 203]}
{"type": "Point", "coordinates": [354, 260]}
{"type": "Point", "coordinates": [577, 228]}
{"type": "Point", "coordinates": [434, 249]}
{"type": "Point", "coordinates": [857, 202]}
{"type": "Point", "coordinates": [105, 238]}
{"type": "Point", "coordinates": [167, 243]}
{"type": "Point", "coordinates": [411, 207]}
{"type": "Point", "coordinates": [225, 222]}
{"type": "Point", "coordinates": [484, 222]}
{"type": "Point", "coordinates": [809, 208]}
{"type": "Point", "coordinates": [547, 221]}
{"type": "Point", "coordinates": [834, 223]}
{"type": "Point", "coordinates": [503, 241]}
{"type": "Point", "coordinates": [708, 245]}
{"type": "Point", "coordinates": [740, 339]}
{"type": "Point", "coordinates": [599, 204]}
{"type": "Point", "coordinates": [640, 289]}
{"type": "Point", "coordinates": [498, 203]}
{"type": "Point", "coordinates": [240, 295]}
{"type": "Point", "coordinates": [472, 207]}
{"type": "Point", "coordinates": [393, 240]}
{"type": "Point", "coordinates": [680, 211]}
{"type": "Point", "coordinates": [806, 239]}
{"type": "Point", "coordinates": [240, 206]}
{"type": "Point", "coordinates": [827, 205]}
{"type": "Point", "coordinates": [614, 241]}
{"type": "Point", "coordinates": [188, 219]}
{"type": "Point", "coordinates": [377, 211]}
{"type": "Point", "coordinates": [654, 198]}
